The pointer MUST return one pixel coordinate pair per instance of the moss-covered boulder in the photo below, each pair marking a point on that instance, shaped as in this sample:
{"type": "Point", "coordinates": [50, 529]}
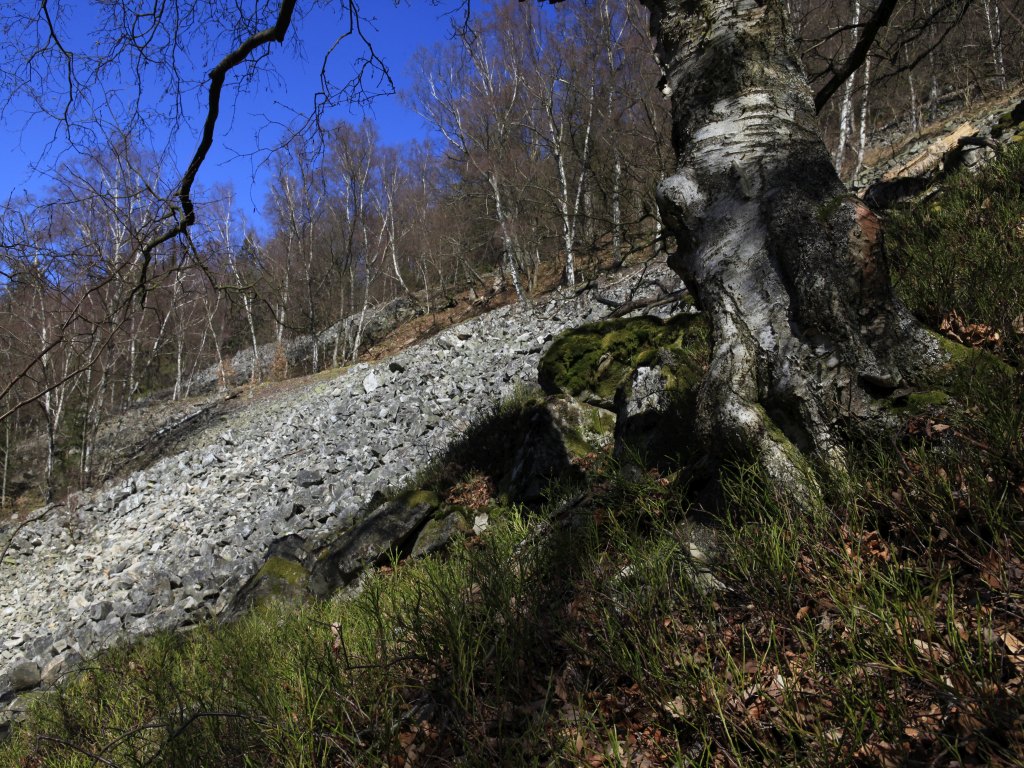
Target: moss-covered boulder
{"type": "Point", "coordinates": [284, 575]}
{"type": "Point", "coordinates": [645, 370]}
{"type": "Point", "coordinates": [584, 428]}
{"type": "Point", "coordinates": [655, 412]}
{"type": "Point", "coordinates": [1010, 124]}
{"type": "Point", "coordinates": [591, 362]}
{"type": "Point", "coordinates": [542, 457]}
{"type": "Point", "coordinates": [556, 431]}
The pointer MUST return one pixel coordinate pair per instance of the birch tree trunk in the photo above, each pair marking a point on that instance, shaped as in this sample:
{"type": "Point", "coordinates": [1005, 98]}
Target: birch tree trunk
{"type": "Point", "coordinates": [995, 38]}
{"type": "Point", "coordinates": [845, 116]}
{"type": "Point", "coordinates": [506, 237]}
{"type": "Point", "coordinates": [788, 267]}
{"type": "Point", "coordinates": [862, 136]}
{"type": "Point", "coordinates": [7, 464]}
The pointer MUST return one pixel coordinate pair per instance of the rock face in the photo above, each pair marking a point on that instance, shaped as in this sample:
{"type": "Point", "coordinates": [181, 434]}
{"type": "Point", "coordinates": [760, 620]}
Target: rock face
{"type": "Point", "coordinates": [172, 545]}
{"type": "Point", "coordinates": [338, 341]}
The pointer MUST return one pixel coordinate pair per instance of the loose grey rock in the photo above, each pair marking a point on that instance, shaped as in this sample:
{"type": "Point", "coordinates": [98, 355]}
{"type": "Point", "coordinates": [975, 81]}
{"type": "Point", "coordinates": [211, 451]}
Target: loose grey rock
{"type": "Point", "coordinates": [100, 610]}
{"type": "Point", "coordinates": [307, 478]}
{"type": "Point", "coordinates": [24, 674]}
{"type": "Point", "coordinates": [371, 383]}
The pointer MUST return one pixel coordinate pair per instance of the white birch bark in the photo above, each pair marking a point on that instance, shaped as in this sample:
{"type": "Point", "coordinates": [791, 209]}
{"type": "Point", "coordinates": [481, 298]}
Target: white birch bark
{"type": "Point", "coordinates": [995, 39]}
{"type": "Point", "coordinates": [845, 110]}
{"type": "Point", "coordinates": [787, 266]}
{"type": "Point", "coordinates": [862, 132]}
{"type": "Point", "coordinates": [7, 464]}
{"type": "Point", "coordinates": [506, 238]}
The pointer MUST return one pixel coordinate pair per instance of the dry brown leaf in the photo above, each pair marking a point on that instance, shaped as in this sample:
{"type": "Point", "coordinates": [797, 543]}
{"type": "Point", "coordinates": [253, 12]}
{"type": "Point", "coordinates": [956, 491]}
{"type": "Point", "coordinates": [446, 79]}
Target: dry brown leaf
{"type": "Point", "coordinates": [992, 578]}
{"type": "Point", "coordinates": [560, 690]}
{"type": "Point", "coordinates": [406, 739]}
{"type": "Point", "coordinates": [932, 651]}
{"type": "Point", "coordinates": [676, 708]}
{"type": "Point", "coordinates": [755, 711]}
{"type": "Point", "coordinates": [1012, 643]}
{"type": "Point", "coordinates": [834, 735]}
{"type": "Point", "coordinates": [336, 639]}
{"type": "Point", "coordinates": [882, 754]}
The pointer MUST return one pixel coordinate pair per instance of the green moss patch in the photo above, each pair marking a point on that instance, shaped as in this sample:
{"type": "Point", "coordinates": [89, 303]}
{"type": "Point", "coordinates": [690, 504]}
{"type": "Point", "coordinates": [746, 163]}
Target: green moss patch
{"type": "Point", "coordinates": [919, 401]}
{"type": "Point", "coordinates": [284, 571]}
{"type": "Point", "coordinates": [278, 579]}
{"type": "Point", "coordinates": [584, 428]}
{"type": "Point", "coordinates": [592, 361]}
{"type": "Point", "coordinates": [416, 498]}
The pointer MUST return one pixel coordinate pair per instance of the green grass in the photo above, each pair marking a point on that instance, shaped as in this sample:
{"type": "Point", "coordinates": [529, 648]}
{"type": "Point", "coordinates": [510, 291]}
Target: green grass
{"type": "Point", "coordinates": [881, 627]}
{"type": "Point", "coordinates": [963, 252]}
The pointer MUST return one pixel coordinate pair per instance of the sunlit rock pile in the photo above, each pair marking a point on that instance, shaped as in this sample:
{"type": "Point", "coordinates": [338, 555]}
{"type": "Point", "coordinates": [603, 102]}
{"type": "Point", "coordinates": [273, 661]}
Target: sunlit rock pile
{"type": "Point", "coordinates": [952, 142]}
{"type": "Point", "coordinates": [172, 545]}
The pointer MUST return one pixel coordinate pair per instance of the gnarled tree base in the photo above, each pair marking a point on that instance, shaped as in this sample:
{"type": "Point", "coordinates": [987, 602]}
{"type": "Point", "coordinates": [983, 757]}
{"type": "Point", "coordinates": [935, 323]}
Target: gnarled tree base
{"type": "Point", "coordinates": [788, 266]}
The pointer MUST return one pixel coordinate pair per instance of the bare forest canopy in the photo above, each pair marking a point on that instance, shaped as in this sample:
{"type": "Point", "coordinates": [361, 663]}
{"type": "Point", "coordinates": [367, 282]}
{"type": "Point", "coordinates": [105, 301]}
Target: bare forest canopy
{"type": "Point", "coordinates": [548, 135]}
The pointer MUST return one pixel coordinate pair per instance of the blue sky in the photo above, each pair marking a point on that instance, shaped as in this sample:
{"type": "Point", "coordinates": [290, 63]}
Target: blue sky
{"type": "Point", "coordinates": [399, 31]}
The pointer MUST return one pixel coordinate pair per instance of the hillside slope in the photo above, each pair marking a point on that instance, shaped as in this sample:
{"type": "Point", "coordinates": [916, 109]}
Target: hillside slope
{"type": "Point", "coordinates": [171, 545]}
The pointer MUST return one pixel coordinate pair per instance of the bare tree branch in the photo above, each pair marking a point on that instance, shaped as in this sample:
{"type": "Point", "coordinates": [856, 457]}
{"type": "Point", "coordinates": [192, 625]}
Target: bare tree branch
{"type": "Point", "coordinates": [879, 19]}
{"type": "Point", "coordinates": [274, 34]}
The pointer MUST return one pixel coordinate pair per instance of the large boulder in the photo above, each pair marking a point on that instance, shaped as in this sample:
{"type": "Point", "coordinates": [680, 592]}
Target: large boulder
{"type": "Point", "coordinates": [284, 575]}
{"type": "Point", "coordinates": [592, 361]}
{"type": "Point", "coordinates": [388, 531]}
{"type": "Point", "coordinates": [542, 456]}
{"type": "Point", "coordinates": [644, 370]}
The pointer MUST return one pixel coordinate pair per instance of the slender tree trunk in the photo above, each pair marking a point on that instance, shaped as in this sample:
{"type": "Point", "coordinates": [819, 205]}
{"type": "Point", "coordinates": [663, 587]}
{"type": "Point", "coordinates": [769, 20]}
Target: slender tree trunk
{"type": "Point", "coordinates": [222, 378]}
{"type": "Point", "coordinates": [51, 451]}
{"type": "Point", "coordinates": [845, 118]}
{"type": "Point", "coordinates": [568, 226]}
{"type": "Point", "coordinates": [995, 38]}
{"type": "Point", "coordinates": [659, 233]}
{"type": "Point", "coordinates": [179, 365]}
{"type": "Point", "coordinates": [862, 139]}
{"type": "Point", "coordinates": [788, 267]}
{"type": "Point", "coordinates": [506, 238]}
{"type": "Point", "coordinates": [915, 109]}
{"type": "Point", "coordinates": [391, 213]}
{"type": "Point", "coordinates": [132, 363]}
{"type": "Point", "coordinates": [611, 42]}
{"type": "Point", "coordinates": [247, 304]}
{"type": "Point", "coordinates": [86, 436]}
{"type": "Point", "coordinates": [7, 464]}
{"type": "Point", "coordinates": [93, 423]}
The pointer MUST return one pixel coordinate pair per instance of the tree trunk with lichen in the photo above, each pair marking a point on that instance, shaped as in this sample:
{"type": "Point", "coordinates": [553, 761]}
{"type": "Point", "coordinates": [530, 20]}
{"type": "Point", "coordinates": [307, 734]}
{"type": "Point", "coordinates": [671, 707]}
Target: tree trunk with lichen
{"type": "Point", "coordinates": [789, 268]}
